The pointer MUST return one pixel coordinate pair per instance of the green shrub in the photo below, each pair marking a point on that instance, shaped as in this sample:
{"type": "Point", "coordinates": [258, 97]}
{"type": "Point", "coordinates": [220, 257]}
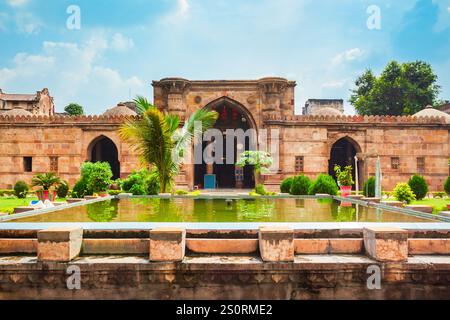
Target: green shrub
{"type": "Point", "coordinates": [148, 181]}
{"type": "Point", "coordinates": [402, 192]}
{"type": "Point", "coordinates": [181, 192]}
{"type": "Point", "coordinates": [439, 194]}
{"type": "Point", "coordinates": [300, 185]}
{"type": "Point", "coordinates": [447, 185]}
{"type": "Point", "coordinates": [369, 187]}
{"type": "Point", "coordinates": [21, 189]}
{"type": "Point", "coordinates": [323, 184]}
{"type": "Point", "coordinates": [419, 186]}
{"type": "Point", "coordinates": [114, 192]}
{"type": "Point", "coordinates": [285, 186]}
{"type": "Point", "coordinates": [98, 175]}
{"type": "Point", "coordinates": [260, 189]}
{"type": "Point", "coordinates": [80, 189]}
{"type": "Point", "coordinates": [195, 193]}
{"type": "Point", "coordinates": [63, 189]}
{"type": "Point", "coordinates": [137, 190]}
{"type": "Point", "coordinates": [6, 192]}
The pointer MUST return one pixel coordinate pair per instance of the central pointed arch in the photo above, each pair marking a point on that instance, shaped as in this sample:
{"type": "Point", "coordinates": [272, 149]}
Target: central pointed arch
{"type": "Point", "coordinates": [232, 115]}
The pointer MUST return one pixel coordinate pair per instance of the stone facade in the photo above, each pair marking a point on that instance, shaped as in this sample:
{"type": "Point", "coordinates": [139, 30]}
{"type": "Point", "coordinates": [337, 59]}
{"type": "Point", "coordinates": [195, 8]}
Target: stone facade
{"type": "Point", "coordinates": [405, 145]}
{"type": "Point", "coordinates": [40, 103]}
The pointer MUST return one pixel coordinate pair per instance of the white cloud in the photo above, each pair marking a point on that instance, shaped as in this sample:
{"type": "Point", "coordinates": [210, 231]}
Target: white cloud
{"type": "Point", "coordinates": [349, 55]}
{"type": "Point", "coordinates": [17, 3]}
{"type": "Point", "coordinates": [180, 13]}
{"type": "Point", "coordinates": [27, 23]}
{"type": "Point", "coordinates": [72, 73]}
{"type": "Point", "coordinates": [448, 9]}
{"type": "Point", "coordinates": [334, 84]}
{"type": "Point", "coordinates": [121, 43]}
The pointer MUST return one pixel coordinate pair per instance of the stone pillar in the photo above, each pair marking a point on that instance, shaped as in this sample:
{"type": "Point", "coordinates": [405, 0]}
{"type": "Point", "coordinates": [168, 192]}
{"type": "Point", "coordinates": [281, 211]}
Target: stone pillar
{"type": "Point", "coordinates": [386, 244]}
{"type": "Point", "coordinates": [167, 244]}
{"type": "Point", "coordinates": [272, 90]}
{"type": "Point", "coordinates": [175, 89]}
{"type": "Point", "coordinates": [276, 244]}
{"type": "Point", "coordinates": [59, 244]}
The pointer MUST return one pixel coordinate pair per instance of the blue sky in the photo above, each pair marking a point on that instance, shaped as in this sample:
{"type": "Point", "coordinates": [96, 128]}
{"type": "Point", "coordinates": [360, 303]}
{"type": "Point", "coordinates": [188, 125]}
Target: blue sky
{"type": "Point", "coordinates": [123, 45]}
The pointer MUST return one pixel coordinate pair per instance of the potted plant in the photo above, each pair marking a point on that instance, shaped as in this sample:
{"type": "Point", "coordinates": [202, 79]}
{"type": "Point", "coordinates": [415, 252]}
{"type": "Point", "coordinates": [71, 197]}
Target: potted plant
{"type": "Point", "coordinates": [345, 179]}
{"type": "Point", "coordinates": [47, 181]}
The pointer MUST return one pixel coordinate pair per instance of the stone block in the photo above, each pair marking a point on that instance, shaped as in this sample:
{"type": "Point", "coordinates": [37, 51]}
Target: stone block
{"type": "Point", "coordinates": [445, 214]}
{"type": "Point", "coordinates": [393, 203]}
{"type": "Point", "coordinates": [59, 244]}
{"type": "Point", "coordinates": [74, 200]}
{"type": "Point", "coordinates": [23, 209]}
{"type": "Point", "coordinates": [355, 196]}
{"type": "Point", "coordinates": [421, 208]}
{"type": "Point", "coordinates": [215, 246]}
{"type": "Point", "coordinates": [386, 244]}
{"type": "Point", "coordinates": [276, 244]}
{"type": "Point", "coordinates": [370, 199]}
{"type": "Point", "coordinates": [167, 244]}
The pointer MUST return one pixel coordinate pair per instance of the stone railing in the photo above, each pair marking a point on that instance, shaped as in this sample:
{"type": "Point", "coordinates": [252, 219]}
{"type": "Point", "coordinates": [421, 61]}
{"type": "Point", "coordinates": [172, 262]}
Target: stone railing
{"type": "Point", "coordinates": [272, 243]}
{"type": "Point", "coordinates": [355, 119]}
{"type": "Point", "coordinates": [62, 119]}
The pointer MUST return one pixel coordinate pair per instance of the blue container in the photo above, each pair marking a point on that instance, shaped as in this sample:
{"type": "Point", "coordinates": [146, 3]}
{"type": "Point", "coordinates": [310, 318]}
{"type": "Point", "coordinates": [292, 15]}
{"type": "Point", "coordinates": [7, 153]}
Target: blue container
{"type": "Point", "coordinates": [210, 181]}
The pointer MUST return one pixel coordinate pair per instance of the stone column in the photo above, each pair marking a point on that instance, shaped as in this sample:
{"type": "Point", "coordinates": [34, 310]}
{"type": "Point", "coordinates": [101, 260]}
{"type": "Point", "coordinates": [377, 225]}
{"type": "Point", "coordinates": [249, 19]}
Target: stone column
{"type": "Point", "coordinates": [175, 89]}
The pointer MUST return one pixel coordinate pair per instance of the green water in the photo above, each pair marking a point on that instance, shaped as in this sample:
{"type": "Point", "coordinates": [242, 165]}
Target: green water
{"type": "Point", "coordinates": [220, 210]}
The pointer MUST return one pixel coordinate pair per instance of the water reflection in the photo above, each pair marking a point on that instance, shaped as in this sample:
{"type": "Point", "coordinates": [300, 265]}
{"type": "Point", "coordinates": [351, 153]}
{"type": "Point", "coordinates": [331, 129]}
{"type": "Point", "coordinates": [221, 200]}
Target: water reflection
{"type": "Point", "coordinates": [221, 210]}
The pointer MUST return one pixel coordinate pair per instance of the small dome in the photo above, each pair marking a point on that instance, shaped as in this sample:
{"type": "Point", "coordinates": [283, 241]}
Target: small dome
{"type": "Point", "coordinates": [429, 111]}
{"type": "Point", "coordinates": [16, 112]}
{"type": "Point", "coordinates": [327, 111]}
{"type": "Point", "coordinates": [120, 110]}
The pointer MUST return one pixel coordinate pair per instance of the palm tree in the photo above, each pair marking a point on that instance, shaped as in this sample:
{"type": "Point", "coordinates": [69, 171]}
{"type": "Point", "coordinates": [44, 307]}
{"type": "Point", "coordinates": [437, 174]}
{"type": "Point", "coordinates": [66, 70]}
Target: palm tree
{"type": "Point", "coordinates": [45, 180]}
{"type": "Point", "coordinates": [157, 141]}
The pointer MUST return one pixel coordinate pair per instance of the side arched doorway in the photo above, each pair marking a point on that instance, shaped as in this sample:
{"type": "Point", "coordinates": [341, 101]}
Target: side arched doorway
{"type": "Point", "coordinates": [343, 153]}
{"type": "Point", "coordinates": [103, 149]}
{"type": "Point", "coordinates": [232, 115]}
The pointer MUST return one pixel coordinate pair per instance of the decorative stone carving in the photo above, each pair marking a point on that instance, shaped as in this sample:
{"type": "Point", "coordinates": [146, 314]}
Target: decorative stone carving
{"type": "Point", "coordinates": [272, 90]}
{"type": "Point", "coordinates": [176, 89]}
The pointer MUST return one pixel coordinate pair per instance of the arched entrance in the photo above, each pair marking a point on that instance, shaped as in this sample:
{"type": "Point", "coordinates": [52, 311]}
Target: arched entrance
{"type": "Point", "coordinates": [232, 115]}
{"type": "Point", "coordinates": [103, 149]}
{"type": "Point", "coordinates": [343, 153]}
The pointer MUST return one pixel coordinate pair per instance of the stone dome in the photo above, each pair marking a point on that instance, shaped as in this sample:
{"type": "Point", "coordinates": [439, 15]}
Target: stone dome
{"type": "Point", "coordinates": [327, 111]}
{"type": "Point", "coordinates": [16, 113]}
{"type": "Point", "coordinates": [429, 111]}
{"type": "Point", "coordinates": [120, 110]}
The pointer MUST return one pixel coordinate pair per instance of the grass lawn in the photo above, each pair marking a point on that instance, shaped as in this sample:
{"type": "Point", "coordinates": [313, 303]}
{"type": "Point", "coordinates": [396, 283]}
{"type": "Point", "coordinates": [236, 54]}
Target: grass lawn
{"type": "Point", "coordinates": [437, 204]}
{"type": "Point", "coordinates": [8, 204]}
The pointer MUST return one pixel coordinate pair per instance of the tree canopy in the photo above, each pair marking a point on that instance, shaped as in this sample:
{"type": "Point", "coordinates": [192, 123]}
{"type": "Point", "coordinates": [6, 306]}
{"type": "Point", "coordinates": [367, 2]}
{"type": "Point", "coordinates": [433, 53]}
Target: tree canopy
{"type": "Point", "coordinates": [401, 89]}
{"type": "Point", "coordinates": [74, 109]}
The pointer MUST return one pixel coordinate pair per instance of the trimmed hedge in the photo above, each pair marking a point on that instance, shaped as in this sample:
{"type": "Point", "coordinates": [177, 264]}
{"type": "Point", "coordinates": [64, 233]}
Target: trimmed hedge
{"type": "Point", "coordinates": [285, 186]}
{"type": "Point", "coordinates": [369, 187]}
{"type": "Point", "coordinates": [63, 189]}
{"type": "Point", "coordinates": [300, 185]}
{"type": "Point", "coordinates": [447, 185]}
{"type": "Point", "coordinates": [419, 186]}
{"type": "Point", "coordinates": [324, 183]}
{"type": "Point", "coordinates": [21, 189]}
